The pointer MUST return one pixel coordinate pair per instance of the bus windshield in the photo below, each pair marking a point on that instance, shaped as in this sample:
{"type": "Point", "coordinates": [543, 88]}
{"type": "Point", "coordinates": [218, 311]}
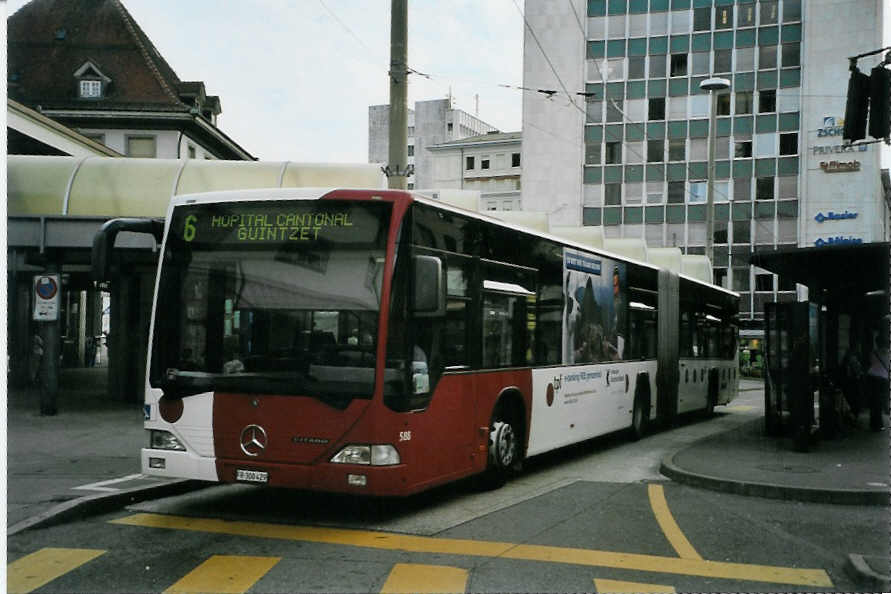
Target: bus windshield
{"type": "Point", "coordinates": [277, 297]}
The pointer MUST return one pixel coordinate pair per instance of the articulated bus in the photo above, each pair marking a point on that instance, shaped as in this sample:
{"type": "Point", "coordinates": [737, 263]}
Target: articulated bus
{"type": "Point", "coordinates": [381, 342]}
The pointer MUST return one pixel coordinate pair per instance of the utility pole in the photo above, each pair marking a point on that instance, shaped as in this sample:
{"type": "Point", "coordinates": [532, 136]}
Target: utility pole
{"type": "Point", "coordinates": [397, 170]}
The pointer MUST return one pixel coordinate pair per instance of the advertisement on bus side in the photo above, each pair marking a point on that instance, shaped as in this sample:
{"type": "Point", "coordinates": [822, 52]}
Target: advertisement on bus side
{"type": "Point", "coordinates": [594, 316]}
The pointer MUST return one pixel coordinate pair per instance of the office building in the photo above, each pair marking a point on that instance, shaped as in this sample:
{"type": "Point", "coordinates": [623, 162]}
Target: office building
{"type": "Point", "coordinates": [623, 139]}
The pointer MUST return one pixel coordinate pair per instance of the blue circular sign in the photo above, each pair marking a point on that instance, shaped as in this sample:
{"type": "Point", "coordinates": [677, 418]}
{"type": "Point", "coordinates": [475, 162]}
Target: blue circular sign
{"type": "Point", "coordinates": [47, 287]}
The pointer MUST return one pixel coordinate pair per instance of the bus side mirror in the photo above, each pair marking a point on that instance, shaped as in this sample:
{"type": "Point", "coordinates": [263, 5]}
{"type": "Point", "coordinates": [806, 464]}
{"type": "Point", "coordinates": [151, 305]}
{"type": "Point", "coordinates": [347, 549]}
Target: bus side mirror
{"type": "Point", "coordinates": [429, 288]}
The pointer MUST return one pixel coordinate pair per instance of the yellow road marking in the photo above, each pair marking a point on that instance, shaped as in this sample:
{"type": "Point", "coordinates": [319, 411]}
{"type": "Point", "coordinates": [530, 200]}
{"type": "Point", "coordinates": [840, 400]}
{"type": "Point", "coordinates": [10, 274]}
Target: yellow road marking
{"type": "Point", "coordinates": [476, 548]}
{"type": "Point", "coordinates": [43, 566]}
{"type": "Point", "coordinates": [226, 574]}
{"type": "Point", "coordinates": [406, 578]}
{"type": "Point", "coordinates": [669, 527]}
{"type": "Point", "coordinates": [617, 587]}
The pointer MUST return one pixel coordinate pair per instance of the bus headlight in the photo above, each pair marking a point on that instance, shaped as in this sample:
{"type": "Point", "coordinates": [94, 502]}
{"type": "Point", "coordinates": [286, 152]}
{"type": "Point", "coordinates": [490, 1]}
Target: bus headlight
{"type": "Point", "coordinates": [373, 455]}
{"type": "Point", "coordinates": [164, 440]}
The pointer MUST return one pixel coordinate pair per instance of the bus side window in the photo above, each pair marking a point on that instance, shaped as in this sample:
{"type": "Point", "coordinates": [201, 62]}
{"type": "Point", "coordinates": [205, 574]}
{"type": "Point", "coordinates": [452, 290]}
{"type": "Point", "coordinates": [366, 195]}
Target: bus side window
{"type": "Point", "coordinates": [455, 338]}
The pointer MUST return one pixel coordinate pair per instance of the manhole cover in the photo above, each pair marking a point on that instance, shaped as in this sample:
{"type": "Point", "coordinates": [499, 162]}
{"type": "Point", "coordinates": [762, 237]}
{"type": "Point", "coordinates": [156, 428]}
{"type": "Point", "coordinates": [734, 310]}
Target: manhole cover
{"type": "Point", "coordinates": [787, 468]}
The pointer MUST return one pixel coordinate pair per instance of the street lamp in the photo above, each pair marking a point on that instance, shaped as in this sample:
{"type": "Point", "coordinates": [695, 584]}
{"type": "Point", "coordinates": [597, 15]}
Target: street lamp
{"type": "Point", "coordinates": [712, 85]}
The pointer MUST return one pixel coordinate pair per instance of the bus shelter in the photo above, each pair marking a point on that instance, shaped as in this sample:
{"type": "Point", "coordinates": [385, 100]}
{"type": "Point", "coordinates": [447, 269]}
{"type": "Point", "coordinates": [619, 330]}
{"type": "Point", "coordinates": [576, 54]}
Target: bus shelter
{"type": "Point", "coordinates": [808, 342]}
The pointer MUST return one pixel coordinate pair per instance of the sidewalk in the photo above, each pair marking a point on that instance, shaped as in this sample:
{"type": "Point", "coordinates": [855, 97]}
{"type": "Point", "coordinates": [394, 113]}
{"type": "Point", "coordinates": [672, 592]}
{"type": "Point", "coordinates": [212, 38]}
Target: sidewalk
{"type": "Point", "coordinates": [73, 463]}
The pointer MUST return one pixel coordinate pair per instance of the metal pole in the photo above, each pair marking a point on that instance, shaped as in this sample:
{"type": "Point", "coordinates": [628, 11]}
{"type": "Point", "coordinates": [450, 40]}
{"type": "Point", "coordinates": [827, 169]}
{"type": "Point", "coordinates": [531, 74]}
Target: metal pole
{"type": "Point", "coordinates": [712, 85]}
{"type": "Point", "coordinates": [396, 169]}
{"type": "Point", "coordinates": [710, 184]}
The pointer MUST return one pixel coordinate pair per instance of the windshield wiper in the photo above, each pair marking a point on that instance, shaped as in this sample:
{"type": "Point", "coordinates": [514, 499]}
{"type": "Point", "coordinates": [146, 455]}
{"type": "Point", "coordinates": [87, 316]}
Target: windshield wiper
{"type": "Point", "coordinates": [177, 383]}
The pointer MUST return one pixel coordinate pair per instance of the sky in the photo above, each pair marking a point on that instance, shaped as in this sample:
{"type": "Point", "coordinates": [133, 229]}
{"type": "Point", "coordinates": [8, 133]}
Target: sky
{"type": "Point", "coordinates": [296, 77]}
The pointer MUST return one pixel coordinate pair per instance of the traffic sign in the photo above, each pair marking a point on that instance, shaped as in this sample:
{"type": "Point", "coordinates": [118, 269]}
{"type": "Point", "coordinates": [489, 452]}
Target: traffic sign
{"type": "Point", "coordinates": [46, 297]}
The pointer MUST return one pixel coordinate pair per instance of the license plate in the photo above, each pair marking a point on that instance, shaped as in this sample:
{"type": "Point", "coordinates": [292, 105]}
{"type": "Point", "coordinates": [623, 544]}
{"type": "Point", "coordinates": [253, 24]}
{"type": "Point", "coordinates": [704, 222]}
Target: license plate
{"type": "Point", "coordinates": [252, 476]}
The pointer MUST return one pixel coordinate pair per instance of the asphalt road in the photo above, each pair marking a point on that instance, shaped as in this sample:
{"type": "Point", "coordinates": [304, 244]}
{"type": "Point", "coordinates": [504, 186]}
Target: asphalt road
{"type": "Point", "coordinates": [597, 517]}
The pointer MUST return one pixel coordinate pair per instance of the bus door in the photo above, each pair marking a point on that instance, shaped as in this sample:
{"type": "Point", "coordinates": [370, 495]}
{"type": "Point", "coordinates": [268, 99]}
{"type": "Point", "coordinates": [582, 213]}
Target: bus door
{"type": "Point", "coordinates": [443, 351]}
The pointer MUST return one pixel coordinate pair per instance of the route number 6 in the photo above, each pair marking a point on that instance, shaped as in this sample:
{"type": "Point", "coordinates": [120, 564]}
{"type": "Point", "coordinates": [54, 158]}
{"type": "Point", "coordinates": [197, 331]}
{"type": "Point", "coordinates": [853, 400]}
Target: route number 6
{"type": "Point", "coordinates": [189, 231]}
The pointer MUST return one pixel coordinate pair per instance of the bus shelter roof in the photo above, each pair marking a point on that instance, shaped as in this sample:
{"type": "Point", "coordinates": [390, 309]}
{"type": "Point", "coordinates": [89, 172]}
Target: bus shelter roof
{"type": "Point", "coordinates": [853, 269]}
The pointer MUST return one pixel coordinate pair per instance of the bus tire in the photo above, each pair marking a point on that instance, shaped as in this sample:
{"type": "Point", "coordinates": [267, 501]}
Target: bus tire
{"type": "Point", "coordinates": [640, 416]}
{"type": "Point", "coordinates": [505, 457]}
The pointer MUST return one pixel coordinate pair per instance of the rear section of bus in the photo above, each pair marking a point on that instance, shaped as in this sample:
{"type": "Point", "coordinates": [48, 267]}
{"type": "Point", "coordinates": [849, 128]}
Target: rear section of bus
{"type": "Point", "coordinates": [268, 341]}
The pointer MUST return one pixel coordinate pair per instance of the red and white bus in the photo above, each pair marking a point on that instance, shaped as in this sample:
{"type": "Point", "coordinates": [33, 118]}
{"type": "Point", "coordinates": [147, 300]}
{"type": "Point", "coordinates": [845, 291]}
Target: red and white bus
{"type": "Point", "coordinates": [380, 342]}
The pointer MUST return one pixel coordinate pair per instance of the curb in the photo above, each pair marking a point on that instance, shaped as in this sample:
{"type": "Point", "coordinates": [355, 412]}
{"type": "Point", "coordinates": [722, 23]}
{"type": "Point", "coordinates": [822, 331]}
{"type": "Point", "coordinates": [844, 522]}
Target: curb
{"type": "Point", "coordinates": [771, 490]}
{"type": "Point", "coordinates": [100, 503]}
{"type": "Point", "coordinates": [858, 568]}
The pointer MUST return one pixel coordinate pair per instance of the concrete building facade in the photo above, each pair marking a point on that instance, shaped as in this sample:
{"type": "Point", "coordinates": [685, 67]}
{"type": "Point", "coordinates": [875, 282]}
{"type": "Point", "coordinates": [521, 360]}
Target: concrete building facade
{"type": "Point", "coordinates": [622, 142]}
{"type": "Point", "coordinates": [490, 164]}
{"type": "Point", "coordinates": [429, 123]}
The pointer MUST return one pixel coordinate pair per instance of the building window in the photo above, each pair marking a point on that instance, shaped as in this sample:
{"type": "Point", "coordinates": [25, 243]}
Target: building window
{"type": "Point", "coordinates": [723, 17]}
{"type": "Point", "coordinates": [767, 101]}
{"type": "Point", "coordinates": [745, 17]}
{"type": "Point", "coordinates": [515, 159]}
{"type": "Point", "coordinates": [743, 102]}
{"type": "Point", "coordinates": [95, 137]}
{"type": "Point", "coordinates": [592, 153]}
{"type": "Point", "coordinates": [657, 108]}
{"type": "Point", "coordinates": [723, 107]}
{"type": "Point", "coordinates": [613, 194]}
{"type": "Point", "coordinates": [141, 146]}
{"type": "Point", "coordinates": [742, 189]}
{"type": "Point", "coordinates": [484, 162]}
{"type": "Point", "coordinates": [636, 67]}
{"type": "Point", "coordinates": [594, 111]}
{"type": "Point", "coordinates": [764, 188]}
{"type": "Point", "coordinates": [657, 66]}
{"type": "Point", "coordinates": [791, 54]}
{"type": "Point", "coordinates": [449, 126]}
{"type": "Point", "coordinates": [791, 10]}
{"type": "Point", "coordinates": [789, 143]}
{"type": "Point", "coordinates": [613, 154]}
{"type": "Point", "coordinates": [676, 192]}
{"type": "Point", "coordinates": [768, 12]}
{"type": "Point", "coordinates": [702, 18]}
{"type": "Point", "coordinates": [764, 282]}
{"type": "Point", "coordinates": [745, 59]}
{"type": "Point", "coordinates": [90, 89]}
{"type": "Point", "coordinates": [700, 63]}
{"type": "Point", "coordinates": [742, 149]}
{"type": "Point", "coordinates": [723, 60]}
{"type": "Point", "coordinates": [677, 149]}
{"type": "Point", "coordinates": [767, 57]}
{"type": "Point", "coordinates": [470, 163]}
{"type": "Point", "coordinates": [411, 150]}
{"type": "Point", "coordinates": [191, 151]}
{"type": "Point", "coordinates": [655, 151]}
{"type": "Point", "coordinates": [613, 111]}
{"type": "Point", "coordinates": [411, 130]}
{"type": "Point", "coordinates": [679, 64]}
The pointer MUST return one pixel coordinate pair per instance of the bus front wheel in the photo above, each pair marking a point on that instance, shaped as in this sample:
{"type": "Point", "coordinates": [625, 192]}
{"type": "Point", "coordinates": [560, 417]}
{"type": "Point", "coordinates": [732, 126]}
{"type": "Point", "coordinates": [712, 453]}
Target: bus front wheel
{"type": "Point", "coordinates": [505, 449]}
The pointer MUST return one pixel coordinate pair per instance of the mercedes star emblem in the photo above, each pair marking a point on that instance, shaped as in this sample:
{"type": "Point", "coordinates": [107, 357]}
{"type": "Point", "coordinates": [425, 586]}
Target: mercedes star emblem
{"type": "Point", "coordinates": [253, 440]}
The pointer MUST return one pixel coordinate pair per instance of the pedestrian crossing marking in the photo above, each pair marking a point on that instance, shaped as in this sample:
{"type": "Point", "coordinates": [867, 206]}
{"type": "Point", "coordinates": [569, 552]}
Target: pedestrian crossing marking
{"type": "Point", "coordinates": [617, 587]}
{"type": "Point", "coordinates": [481, 548]}
{"type": "Point", "coordinates": [225, 574]}
{"type": "Point", "coordinates": [407, 578]}
{"type": "Point", "coordinates": [669, 527]}
{"type": "Point", "coordinates": [43, 566]}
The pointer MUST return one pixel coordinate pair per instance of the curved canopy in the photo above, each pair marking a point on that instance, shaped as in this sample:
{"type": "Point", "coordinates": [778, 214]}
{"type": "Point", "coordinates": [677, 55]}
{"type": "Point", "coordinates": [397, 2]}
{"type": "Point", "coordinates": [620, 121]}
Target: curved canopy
{"type": "Point", "coordinates": [110, 187]}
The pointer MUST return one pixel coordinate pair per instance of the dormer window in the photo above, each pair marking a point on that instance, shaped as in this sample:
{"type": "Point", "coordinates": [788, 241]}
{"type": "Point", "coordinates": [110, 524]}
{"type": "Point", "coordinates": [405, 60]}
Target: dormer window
{"type": "Point", "coordinates": [90, 89]}
{"type": "Point", "coordinates": [91, 83]}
